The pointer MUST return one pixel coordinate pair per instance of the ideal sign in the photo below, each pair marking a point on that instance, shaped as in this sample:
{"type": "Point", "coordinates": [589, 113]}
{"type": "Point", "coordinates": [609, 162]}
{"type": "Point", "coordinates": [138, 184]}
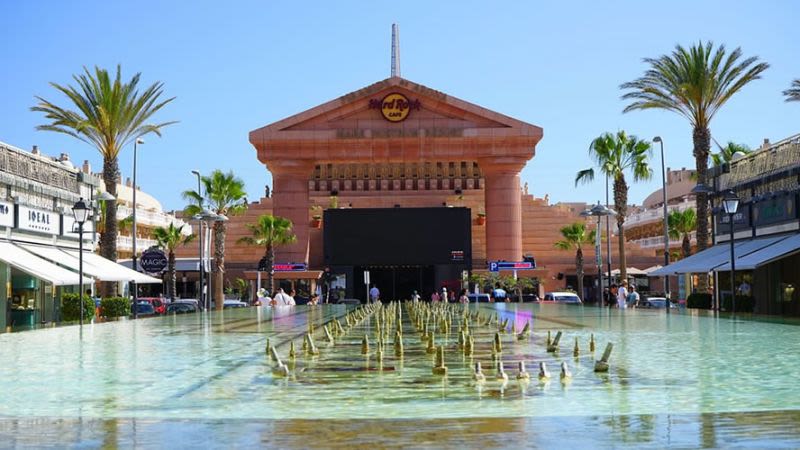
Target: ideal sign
{"type": "Point", "coordinates": [38, 220]}
{"type": "Point", "coordinates": [6, 214]}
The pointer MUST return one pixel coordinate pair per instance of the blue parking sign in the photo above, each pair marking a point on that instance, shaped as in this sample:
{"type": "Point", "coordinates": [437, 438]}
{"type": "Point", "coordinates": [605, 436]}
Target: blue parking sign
{"type": "Point", "coordinates": [493, 266]}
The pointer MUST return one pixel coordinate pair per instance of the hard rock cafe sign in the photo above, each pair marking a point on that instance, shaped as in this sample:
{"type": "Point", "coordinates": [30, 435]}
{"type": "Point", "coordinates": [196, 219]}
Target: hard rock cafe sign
{"type": "Point", "coordinates": [395, 107]}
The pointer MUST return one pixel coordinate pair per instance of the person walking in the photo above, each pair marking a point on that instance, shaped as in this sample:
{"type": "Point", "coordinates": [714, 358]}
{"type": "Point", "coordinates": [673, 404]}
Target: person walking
{"type": "Point", "coordinates": [435, 297]}
{"type": "Point", "coordinates": [612, 296]}
{"type": "Point", "coordinates": [499, 294]}
{"type": "Point", "coordinates": [633, 297]}
{"type": "Point", "coordinates": [445, 297]}
{"type": "Point", "coordinates": [462, 298]}
{"type": "Point", "coordinates": [282, 299]}
{"type": "Point", "coordinates": [622, 295]}
{"type": "Point", "coordinates": [374, 294]}
{"type": "Point", "coordinates": [415, 297]}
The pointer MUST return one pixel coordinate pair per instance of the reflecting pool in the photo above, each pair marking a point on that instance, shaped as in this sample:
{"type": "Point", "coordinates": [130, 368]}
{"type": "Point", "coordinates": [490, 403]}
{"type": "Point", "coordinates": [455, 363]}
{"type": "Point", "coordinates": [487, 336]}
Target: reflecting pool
{"type": "Point", "coordinates": [683, 379]}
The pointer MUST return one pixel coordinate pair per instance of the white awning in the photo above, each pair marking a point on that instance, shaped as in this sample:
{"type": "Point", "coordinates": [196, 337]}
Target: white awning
{"type": "Point", "coordinates": [630, 271]}
{"type": "Point", "coordinates": [110, 270]}
{"type": "Point", "coordinates": [717, 256]}
{"type": "Point", "coordinates": [778, 248]}
{"type": "Point", "coordinates": [33, 265]}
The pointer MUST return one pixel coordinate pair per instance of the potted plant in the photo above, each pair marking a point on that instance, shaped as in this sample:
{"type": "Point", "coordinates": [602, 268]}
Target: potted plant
{"type": "Point", "coordinates": [316, 221]}
{"type": "Point", "coordinates": [481, 218]}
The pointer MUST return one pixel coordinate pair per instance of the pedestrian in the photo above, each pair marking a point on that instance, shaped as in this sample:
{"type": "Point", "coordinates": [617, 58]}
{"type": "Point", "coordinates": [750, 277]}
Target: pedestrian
{"type": "Point", "coordinates": [633, 297]}
{"type": "Point", "coordinates": [415, 297]}
{"type": "Point", "coordinates": [445, 297]}
{"type": "Point", "coordinates": [435, 297]}
{"type": "Point", "coordinates": [622, 295]}
{"type": "Point", "coordinates": [462, 298]}
{"type": "Point", "coordinates": [744, 288]}
{"type": "Point", "coordinates": [612, 296]}
{"type": "Point", "coordinates": [282, 299]}
{"type": "Point", "coordinates": [374, 294]}
{"type": "Point", "coordinates": [498, 293]}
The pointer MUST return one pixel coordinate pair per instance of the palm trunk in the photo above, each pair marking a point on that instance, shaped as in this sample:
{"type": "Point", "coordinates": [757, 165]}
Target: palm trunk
{"type": "Point", "coordinates": [701, 137]}
{"type": "Point", "coordinates": [686, 246]}
{"type": "Point", "coordinates": [579, 271]}
{"type": "Point", "coordinates": [621, 204]}
{"type": "Point", "coordinates": [219, 265]}
{"type": "Point", "coordinates": [173, 289]}
{"type": "Point", "coordinates": [108, 238]}
{"type": "Point", "coordinates": [270, 270]}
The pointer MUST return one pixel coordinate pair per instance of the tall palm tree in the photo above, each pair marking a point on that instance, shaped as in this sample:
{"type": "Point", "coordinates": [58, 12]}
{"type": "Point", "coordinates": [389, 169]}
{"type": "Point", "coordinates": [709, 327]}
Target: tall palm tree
{"type": "Point", "coordinates": [269, 231]}
{"type": "Point", "coordinates": [694, 83]}
{"type": "Point", "coordinates": [169, 239]}
{"type": "Point", "coordinates": [225, 196]}
{"type": "Point", "coordinates": [726, 153]}
{"type": "Point", "coordinates": [681, 224]}
{"type": "Point", "coordinates": [616, 154]}
{"type": "Point", "coordinates": [793, 93]}
{"type": "Point", "coordinates": [108, 115]}
{"type": "Point", "coordinates": [575, 237]}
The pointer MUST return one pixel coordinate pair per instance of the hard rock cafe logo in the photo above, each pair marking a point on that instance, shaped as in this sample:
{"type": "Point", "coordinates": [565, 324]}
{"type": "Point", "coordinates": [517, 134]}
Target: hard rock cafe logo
{"type": "Point", "coordinates": [395, 107]}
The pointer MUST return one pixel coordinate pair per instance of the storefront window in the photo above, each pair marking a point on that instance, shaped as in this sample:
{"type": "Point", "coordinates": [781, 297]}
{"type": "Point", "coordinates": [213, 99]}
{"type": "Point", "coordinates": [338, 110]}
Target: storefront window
{"type": "Point", "coordinates": [26, 299]}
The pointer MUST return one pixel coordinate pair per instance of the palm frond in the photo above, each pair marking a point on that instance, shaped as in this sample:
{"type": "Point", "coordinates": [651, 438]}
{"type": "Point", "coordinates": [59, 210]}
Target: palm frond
{"type": "Point", "coordinates": [793, 93]}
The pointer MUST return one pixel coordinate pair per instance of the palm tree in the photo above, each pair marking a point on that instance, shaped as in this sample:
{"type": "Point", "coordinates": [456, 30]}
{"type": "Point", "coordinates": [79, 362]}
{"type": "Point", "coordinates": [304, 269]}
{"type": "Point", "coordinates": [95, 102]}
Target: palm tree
{"type": "Point", "coordinates": [109, 115]}
{"type": "Point", "coordinates": [169, 239]}
{"type": "Point", "coordinates": [575, 237]}
{"type": "Point", "coordinates": [616, 154]}
{"type": "Point", "coordinates": [694, 83]}
{"type": "Point", "coordinates": [793, 93]}
{"type": "Point", "coordinates": [224, 195]}
{"type": "Point", "coordinates": [726, 153]}
{"type": "Point", "coordinates": [681, 224]}
{"type": "Point", "coordinates": [269, 231]}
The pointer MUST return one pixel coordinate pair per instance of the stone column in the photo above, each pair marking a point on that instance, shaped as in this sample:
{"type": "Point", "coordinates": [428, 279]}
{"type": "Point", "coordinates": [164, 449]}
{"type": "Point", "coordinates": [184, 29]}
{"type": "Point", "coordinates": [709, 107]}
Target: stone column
{"type": "Point", "coordinates": [290, 200]}
{"type": "Point", "coordinates": [503, 208]}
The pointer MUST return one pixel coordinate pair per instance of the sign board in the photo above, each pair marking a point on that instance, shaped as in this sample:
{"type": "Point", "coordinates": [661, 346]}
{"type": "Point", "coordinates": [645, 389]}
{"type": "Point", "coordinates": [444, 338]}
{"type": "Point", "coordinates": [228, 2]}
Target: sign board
{"type": "Point", "coordinates": [457, 255]}
{"type": "Point", "coordinates": [395, 106]}
{"type": "Point", "coordinates": [6, 214]}
{"type": "Point", "coordinates": [775, 210]}
{"type": "Point", "coordinates": [496, 266]}
{"type": "Point", "coordinates": [153, 260]}
{"type": "Point", "coordinates": [290, 267]}
{"type": "Point", "coordinates": [366, 277]}
{"type": "Point", "coordinates": [38, 220]}
{"type": "Point", "coordinates": [70, 228]}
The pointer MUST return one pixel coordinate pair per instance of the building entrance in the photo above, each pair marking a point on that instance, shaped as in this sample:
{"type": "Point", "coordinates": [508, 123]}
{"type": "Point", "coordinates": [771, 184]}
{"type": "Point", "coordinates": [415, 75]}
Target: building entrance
{"type": "Point", "coordinates": [395, 283]}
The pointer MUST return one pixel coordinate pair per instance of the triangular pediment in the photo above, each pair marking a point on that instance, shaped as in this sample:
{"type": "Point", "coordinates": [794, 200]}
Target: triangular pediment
{"type": "Point", "coordinates": [428, 109]}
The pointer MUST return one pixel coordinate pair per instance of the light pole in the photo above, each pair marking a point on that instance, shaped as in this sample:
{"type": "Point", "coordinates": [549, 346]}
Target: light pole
{"type": "Point", "coordinates": [599, 210]}
{"type": "Point", "coordinates": [608, 235]}
{"type": "Point", "coordinates": [200, 234]}
{"type": "Point", "coordinates": [205, 216]}
{"type": "Point", "coordinates": [730, 202]}
{"type": "Point", "coordinates": [134, 265]}
{"type": "Point", "coordinates": [81, 212]}
{"type": "Point", "coordinates": [666, 219]}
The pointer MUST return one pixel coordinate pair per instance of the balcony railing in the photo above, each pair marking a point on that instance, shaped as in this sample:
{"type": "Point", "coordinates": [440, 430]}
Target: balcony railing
{"type": "Point", "coordinates": [126, 243]}
{"type": "Point", "coordinates": [152, 218]}
{"type": "Point", "coordinates": [652, 215]}
{"type": "Point", "coordinates": [658, 241]}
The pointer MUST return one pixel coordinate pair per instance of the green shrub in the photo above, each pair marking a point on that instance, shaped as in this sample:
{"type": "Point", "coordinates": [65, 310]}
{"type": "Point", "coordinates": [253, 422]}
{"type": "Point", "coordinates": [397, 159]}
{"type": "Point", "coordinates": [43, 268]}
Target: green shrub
{"type": "Point", "coordinates": [699, 301]}
{"type": "Point", "coordinates": [70, 309]}
{"type": "Point", "coordinates": [744, 303]}
{"type": "Point", "coordinates": [115, 307]}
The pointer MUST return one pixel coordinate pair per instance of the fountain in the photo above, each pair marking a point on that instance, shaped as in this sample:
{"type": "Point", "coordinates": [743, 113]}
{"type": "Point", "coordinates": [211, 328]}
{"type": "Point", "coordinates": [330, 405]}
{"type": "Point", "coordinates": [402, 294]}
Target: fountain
{"type": "Point", "coordinates": [602, 364]}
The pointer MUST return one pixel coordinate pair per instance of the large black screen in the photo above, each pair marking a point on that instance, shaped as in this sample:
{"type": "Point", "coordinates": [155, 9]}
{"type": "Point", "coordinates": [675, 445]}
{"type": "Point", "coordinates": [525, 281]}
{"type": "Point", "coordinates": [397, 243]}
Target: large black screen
{"type": "Point", "coordinates": [394, 236]}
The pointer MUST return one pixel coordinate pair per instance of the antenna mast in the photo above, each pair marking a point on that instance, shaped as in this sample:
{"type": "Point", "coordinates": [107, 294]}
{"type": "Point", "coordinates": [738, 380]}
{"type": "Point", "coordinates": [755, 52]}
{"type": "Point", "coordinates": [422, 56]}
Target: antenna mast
{"type": "Point", "coordinates": [395, 50]}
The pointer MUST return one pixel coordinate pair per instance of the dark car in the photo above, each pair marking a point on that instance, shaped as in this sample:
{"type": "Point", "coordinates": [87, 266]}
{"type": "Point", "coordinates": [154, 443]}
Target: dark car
{"type": "Point", "coordinates": [179, 307]}
{"type": "Point", "coordinates": [145, 309]}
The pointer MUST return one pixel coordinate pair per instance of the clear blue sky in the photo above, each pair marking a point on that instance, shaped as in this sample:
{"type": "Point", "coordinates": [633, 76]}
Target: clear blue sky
{"type": "Point", "coordinates": [236, 66]}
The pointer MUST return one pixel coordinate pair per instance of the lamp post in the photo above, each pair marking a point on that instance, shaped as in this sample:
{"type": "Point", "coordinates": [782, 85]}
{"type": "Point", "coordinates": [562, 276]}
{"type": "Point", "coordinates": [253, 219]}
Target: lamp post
{"type": "Point", "coordinates": [599, 210]}
{"type": "Point", "coordinates": [134, 265]}
{"type": "Point", "coordinates": [701, 188]}
{"type": "Point", "coordinates": [200, 241]}
{"type": "Point", "coordinates": [730, 202]}
{"type": "Point", "coordinates": [608, 236]}
{"type": "Point", "coordinates": [666, 219]}
{"type": "Point", "coordinates": [81, 212]}
{"type": "Point", "coordinates": [205, 216]}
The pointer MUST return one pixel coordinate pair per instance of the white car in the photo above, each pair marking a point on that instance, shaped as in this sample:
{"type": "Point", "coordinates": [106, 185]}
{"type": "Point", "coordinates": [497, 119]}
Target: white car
{"type": "Point", "coordinates": [562, 297]}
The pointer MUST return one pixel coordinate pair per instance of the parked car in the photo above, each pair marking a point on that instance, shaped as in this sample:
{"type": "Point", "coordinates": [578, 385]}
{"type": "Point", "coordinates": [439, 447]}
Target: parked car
{"type": "Point", "coordinates": [478, 298]}
{"type": "Point", "coordinates": [193, 301]}
{"type": "Point", "coordinates": [157, 303]}
{"type": "Point", "coordinates": [562, 297]}
{"type": "Point", "coordinates": [145, 309]}
{"type": "Point", "coordinates": [181, 307]}
{"type": "Point", "coordinates": [655, 303]}
{"type": "Point", "coordinates": [233, 304]}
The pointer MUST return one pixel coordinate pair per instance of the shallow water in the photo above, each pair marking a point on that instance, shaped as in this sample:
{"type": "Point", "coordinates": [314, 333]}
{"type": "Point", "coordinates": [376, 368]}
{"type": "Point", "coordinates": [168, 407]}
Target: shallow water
{"type": "Point", "coordinates": [669, 374]}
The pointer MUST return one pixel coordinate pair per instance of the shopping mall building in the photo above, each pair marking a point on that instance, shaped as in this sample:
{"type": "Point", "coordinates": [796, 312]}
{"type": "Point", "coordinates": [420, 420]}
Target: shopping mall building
{"type": "Point", "coordinates": [411, 184]}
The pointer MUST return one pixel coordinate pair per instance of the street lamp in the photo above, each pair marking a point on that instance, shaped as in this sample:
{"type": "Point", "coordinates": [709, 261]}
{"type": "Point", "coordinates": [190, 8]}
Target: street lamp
{"type": "Point", "coordinates": [133, 238]}
{"type": "Point", "coordinates": [81, 213]}
{"type": "Point", "coordinates": [730, 203]}
{"type": "Point", "coordinates": [666, 218]}
{"type": "Point", "coordinates": [200, 241]}
{"type": "Point", "coordinates": [599, 210]}
{"type": "Point", "coordinates": [204, 217]}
